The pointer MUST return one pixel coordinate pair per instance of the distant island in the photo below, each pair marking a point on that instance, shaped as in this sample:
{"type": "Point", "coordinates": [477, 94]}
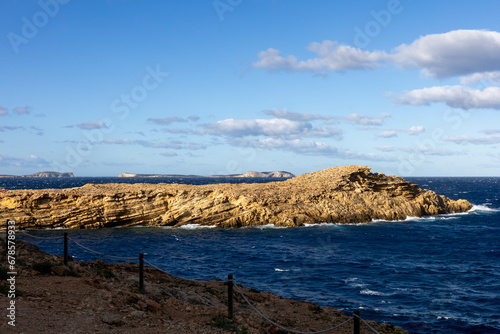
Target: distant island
{"type": "Point", "coordinates": [281, 174]}
{"type": "Point", "coordinates": [43, 174]}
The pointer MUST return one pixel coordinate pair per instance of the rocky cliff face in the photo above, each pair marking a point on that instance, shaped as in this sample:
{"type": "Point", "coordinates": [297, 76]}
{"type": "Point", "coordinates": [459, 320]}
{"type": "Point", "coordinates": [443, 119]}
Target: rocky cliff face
{"type": "Point", "coordinates": [348, 194]}
{"type": "Point", "coordinates": [51, 174]}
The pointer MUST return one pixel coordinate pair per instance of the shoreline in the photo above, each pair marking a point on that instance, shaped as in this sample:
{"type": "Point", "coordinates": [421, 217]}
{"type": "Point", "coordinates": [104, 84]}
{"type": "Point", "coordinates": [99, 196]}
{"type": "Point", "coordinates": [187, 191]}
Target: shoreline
{"type": "Point", "coordinates": [104, 297]}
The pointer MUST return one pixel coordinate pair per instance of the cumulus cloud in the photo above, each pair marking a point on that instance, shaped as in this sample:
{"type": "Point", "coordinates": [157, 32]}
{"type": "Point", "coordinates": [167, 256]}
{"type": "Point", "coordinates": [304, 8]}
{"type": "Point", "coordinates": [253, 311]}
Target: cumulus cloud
{"type": "Point", "coordinates": [276, 127]}
{"type": "Point", "coordinates": [360, 119]}
{"type": "Point", "coordinates": [453, 96]}
{"type": "Point", "coordinates": [479, 140]}
{"type": "Point", "coordinates": [388, 134]}
{"type": "Point", "coordinates": [414, 130]}
{"type": "Point", "coordinates": [92, 125]}
{"type": "Point", "coordinates": [3, 111]}
{"type": "Point", "coordinates": [458, 52]}
{"type": "Point", "coordinates": [476, 77]}
{"type": "Point", "coordinates": [194, 118]}
{"type": "Point", "coordinates": [167, 120]}
{"type": "Point", "coordinates": [454, 53]}
{"type": "Point", "coordinates": [331, 56]}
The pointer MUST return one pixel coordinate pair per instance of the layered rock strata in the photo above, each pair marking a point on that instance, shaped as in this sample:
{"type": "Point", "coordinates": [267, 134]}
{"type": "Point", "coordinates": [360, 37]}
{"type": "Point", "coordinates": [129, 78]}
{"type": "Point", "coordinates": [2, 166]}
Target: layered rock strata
{"type": "Point", "coordinates": [345, 195]}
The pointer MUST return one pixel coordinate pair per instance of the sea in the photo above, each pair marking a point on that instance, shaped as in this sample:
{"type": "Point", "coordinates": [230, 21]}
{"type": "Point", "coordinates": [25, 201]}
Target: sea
{"type": "Point", "coordinates": [435, 274]}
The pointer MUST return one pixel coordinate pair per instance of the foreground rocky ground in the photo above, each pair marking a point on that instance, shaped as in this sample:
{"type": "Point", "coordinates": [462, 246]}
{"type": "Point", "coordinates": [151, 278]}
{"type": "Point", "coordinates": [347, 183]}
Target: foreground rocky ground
{"type": "Point", "coordinates": [347, 194]}
{"type": "Point", "coordinates": [98, 297]}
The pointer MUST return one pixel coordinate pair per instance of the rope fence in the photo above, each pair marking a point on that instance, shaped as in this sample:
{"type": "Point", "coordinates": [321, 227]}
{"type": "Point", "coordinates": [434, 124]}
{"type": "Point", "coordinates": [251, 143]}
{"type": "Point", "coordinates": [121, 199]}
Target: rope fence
{"type": "Point", "coordinates": [231, 285]}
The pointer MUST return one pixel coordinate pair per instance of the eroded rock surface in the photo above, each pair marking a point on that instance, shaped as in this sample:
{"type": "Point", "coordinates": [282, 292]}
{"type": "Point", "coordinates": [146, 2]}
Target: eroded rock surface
{"type": "Point", "coordinates": [347, 194]}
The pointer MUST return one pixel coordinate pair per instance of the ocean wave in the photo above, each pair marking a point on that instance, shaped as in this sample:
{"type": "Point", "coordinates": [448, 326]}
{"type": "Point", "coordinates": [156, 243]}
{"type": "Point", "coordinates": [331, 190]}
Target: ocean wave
{"type": "Point", "coordinates": [194, 227]}
{"type": "Point", "coordinates": [483, 208]}
{"type": "Point", "coordinates": [371, 292]}
{"type": "Point", "coordinates": [271, 226]}
{"type": "Point", "coordinates": [281, 270]}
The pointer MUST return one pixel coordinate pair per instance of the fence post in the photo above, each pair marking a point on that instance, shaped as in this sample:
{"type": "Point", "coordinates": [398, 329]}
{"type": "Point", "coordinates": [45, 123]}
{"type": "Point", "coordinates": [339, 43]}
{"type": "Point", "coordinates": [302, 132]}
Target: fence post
{"type": "Point", "coordinates": [141, 272]}
{"type": "Point", "coordinates": [65, 248]}
{"type": "Point", "coordinates": [356, 322]}
{"type": "Point", "coordinates": [230, 296]}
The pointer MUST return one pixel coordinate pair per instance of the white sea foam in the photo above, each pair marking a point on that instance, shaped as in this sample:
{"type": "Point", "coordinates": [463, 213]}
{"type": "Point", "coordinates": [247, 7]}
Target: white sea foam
{"type": "Point", "coordinates": [371, 292]}
{"type": "Point", "coordinates": [271, 226]}
{"type": "Point", "coordinates": [194, 226]}
{"type": "Point", "coordinates": [483, 208]}
{"type": "Point", "coordinates": [281, 270]}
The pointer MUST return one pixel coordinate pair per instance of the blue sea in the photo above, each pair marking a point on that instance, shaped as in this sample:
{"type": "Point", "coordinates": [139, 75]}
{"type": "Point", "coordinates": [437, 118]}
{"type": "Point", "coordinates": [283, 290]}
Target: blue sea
{"type": "Point", "coordinates": [437, 274]}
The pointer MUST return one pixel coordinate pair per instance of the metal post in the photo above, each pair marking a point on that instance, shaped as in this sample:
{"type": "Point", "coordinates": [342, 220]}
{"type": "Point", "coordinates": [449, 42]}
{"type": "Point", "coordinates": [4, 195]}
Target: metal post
{"type": "Point", "coordinates": [356, 322]}
{"type": "Point", "coordinates": [230, 296]}
{"type": "Point", "coordinates": [141, 272]}
{"type": "Point", "coordinates": [65, 248]}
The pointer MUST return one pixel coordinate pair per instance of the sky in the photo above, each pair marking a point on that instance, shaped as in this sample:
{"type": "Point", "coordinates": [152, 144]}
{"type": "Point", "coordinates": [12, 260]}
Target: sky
{"type": "Point", "coordinates": [97, 88]}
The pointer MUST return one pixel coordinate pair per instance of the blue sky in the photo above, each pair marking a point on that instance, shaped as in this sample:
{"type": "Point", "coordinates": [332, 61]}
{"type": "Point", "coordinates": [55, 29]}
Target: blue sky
{"type": "Point", "coordinates": [409, 88]}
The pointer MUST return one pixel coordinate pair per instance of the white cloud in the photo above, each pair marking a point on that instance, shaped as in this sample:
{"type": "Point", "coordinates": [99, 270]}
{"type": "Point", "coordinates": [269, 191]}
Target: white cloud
{"type": "Point", "coordinates": [3, 111]}
{"type": "Point", "coordinates": [386, 148]}
{"type": "Point", "coordinates": [476, 77]}
{"type": "Point", "coordinates": [453, 96]}
{"type": "Point", "coordinates": [332, 56]}
{"type": "Point", "coordinates": [458, 52]}
{"type": "Point", "coordinates": [276, 127]}
{"type": "Point", "coordinates": [481, 140]}
{"type": "Point", "coordinates": [454, 53]}
{"type": "Point", "coordinates": [388, 134]}
{"type": "Point", "coordinates": [173, 144]}
{"type": "Point", "coordinates": [366, 120]}
{"type": "Point", "coordinates": [295, 116]}
{"type": "Point", "coordinates": [167, 120]}
{"type": "Point", "coordinates": [309, 147]}
{"type": "Point", "coordinates": [92, 125]}
{"type": "Point", "coordinates": [428, 150]}
{"type": "Point", "coordinates": [414, 130]}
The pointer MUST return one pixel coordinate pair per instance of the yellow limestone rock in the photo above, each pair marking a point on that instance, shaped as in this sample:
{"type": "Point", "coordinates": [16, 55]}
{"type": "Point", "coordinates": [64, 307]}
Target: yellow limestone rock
{"type": "Point", "coordinates": [345, 195]}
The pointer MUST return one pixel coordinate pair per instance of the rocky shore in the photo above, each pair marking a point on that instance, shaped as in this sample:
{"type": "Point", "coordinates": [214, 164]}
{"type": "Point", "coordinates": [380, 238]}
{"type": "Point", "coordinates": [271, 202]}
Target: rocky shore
{"type": "Point", "coordinates": [99, 297]}
{"type": "Point", "coordinates": [344, 195]}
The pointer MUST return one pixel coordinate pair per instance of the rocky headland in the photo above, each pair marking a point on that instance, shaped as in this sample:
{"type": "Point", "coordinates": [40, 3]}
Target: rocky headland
{"type": "Point", "coordinates": [43, 174]}
{"type": "Point", "coordinates": [279, 174]}
{"type": "Point", "coordinates": [343, 195]}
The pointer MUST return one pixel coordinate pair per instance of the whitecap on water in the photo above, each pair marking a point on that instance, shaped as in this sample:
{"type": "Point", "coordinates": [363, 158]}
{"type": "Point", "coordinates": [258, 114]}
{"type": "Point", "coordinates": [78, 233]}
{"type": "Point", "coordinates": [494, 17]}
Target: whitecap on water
{"type": "Point", "coordinates": [281, 270]}
{"type": "Point", "coordinates": [371, 292]}
{"type": "Point", "coordinates": [194, 226]}
{"type": "Point", "coordinates": [483, 208]}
